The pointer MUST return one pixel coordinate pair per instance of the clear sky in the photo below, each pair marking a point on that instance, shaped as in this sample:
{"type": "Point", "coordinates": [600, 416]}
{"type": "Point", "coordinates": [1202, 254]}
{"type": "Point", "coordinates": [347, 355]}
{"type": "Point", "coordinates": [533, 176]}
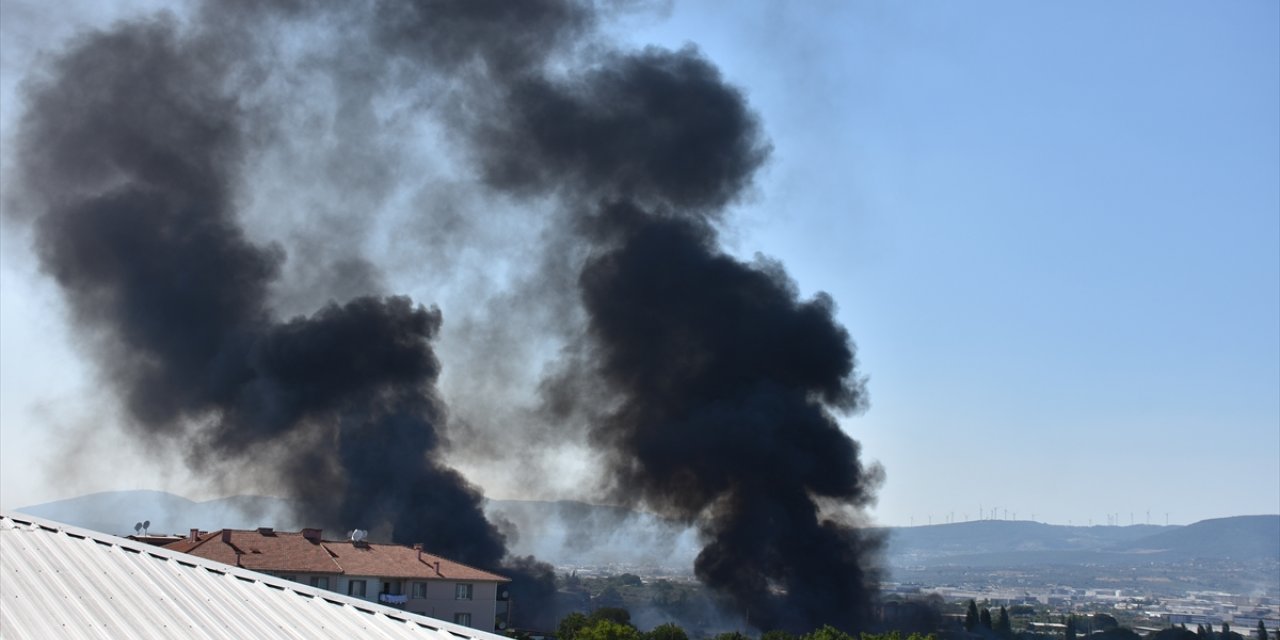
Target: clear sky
{"type": "Point", "coordinates": [1053, 231]}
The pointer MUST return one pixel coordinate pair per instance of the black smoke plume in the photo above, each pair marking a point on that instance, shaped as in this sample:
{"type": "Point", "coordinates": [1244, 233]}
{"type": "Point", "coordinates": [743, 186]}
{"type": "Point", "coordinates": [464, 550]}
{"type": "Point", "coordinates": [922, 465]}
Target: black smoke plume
{"type": "Point", "coordinates": [710, 384]}
{"type": "Point", "coordinates": [721, 381]}
{"type": "Point", "coordinates": [725, 378]}
{"type": "Point", "coordinates": [134, 152]}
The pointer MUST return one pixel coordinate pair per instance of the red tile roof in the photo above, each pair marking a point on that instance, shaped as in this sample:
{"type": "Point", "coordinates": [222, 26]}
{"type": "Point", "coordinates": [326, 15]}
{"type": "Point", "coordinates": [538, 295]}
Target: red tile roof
{"type": "Point", "coordinates": [291, 552]}
{"type": "Point", "coordinates": [277, 551]}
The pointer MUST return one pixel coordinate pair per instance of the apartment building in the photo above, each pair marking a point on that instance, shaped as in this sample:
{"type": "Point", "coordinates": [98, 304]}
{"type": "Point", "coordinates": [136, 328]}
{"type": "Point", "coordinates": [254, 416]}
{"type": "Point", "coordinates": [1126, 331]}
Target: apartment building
{"type": "Point", "coordinates": [405, 577]}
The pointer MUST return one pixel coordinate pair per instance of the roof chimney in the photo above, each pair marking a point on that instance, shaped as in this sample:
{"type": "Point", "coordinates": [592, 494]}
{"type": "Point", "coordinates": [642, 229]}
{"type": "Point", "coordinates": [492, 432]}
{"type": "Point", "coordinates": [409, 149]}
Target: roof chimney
{"type": "Point", "coordinates": [195, 535]}
{"type": "Point", "coordinates": [312, 534]}
{"type": "Point", "coordinates": [438, 568]}
{"type": "Point", "coordinates": [417, 546]}
{"type": "Point", "coordinates": [226, 536]}
{"type": "Point", "coordinates": [266, 531]}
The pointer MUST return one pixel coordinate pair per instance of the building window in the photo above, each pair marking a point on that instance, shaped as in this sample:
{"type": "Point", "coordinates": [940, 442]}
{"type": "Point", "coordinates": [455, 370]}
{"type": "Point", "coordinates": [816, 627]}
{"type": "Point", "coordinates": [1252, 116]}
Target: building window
{"type": "Point", "coordinates": [289, 578]}
{"type": "Point", "coordinates": [355, 588]}
{"type": "Point", "coordinates": [462, 592]}
{"type": "Point", "coordinates": [419, 589]}
{"type": "Point", "coordinates": [462, 618]}
{"type": "Point", "coordinates": [320, 582]}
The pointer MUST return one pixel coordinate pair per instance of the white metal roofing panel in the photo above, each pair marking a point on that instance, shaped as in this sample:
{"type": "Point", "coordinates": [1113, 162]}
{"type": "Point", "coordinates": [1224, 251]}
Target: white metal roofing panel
{"type": "Point", "coordinates": [58, 581]}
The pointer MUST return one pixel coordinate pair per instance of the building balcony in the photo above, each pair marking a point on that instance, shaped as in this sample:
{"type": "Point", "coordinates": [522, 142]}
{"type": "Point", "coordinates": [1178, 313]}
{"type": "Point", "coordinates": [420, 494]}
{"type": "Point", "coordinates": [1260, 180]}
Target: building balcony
{"type": "Point", "coordinates": [393, 599]}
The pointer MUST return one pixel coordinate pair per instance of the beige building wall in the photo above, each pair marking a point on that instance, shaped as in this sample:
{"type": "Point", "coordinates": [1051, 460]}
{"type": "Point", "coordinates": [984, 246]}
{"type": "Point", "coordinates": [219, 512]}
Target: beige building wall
{"type": "Point", "coordinates": [441, 601]}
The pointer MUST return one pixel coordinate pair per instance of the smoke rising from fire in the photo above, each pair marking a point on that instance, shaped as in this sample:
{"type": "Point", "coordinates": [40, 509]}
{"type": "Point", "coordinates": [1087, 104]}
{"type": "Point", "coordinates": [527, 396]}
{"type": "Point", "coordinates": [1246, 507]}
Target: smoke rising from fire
{"type": "Point", "coordinates": [139, 152]}
{"type": "Point", "coordinates": [707, 385]}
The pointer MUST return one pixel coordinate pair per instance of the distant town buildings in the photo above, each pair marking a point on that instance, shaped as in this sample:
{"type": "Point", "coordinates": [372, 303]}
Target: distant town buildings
{"type": "Point", "coordinates": [405, 577]}
{"type": "Point", "coordinates": [1208, 608]}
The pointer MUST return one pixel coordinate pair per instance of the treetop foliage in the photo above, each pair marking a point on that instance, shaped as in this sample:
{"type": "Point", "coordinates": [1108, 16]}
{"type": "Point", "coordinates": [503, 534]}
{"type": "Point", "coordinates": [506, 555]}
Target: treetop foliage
{"type": "Point", "coordinates": [607, 630]}
{"type": "Point", "coordinates": [666, 631]}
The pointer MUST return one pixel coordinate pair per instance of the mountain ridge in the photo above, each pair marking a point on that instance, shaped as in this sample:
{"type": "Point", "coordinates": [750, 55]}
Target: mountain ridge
{"type": "Point", "coordinates": [573, 533]}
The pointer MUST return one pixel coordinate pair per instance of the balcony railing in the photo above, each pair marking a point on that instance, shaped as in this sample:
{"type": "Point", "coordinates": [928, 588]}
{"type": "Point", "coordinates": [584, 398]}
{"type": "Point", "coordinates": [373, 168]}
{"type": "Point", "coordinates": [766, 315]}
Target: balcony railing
{"type": "Point", "coordinates": [393, 599]}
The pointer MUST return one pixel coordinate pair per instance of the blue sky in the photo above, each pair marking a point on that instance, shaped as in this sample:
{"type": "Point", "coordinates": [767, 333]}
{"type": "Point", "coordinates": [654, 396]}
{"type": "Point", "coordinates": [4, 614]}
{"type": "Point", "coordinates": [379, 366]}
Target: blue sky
{"type": "Point", "coordinates": [1052, 230]}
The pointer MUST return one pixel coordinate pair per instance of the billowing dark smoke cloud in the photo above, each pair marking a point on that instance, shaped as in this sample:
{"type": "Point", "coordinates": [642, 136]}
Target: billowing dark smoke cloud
{"type": "Point", "coordinates": [721, 380]}
{"type": "Point", "coordinates": [132, 153]}
{"type": "Point", "coordinates": [709, 383]}
{"type": "Point", "coordinates": [725, 377]}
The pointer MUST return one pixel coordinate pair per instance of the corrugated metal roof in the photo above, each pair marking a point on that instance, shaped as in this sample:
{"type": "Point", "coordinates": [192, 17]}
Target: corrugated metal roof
{"type": "Point", "coordinates": [58, 581]}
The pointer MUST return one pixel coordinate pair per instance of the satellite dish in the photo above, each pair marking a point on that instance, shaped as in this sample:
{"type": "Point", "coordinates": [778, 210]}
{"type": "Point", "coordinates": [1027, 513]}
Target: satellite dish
{"type": "Point", "coordinates": [146, 524]}
{"type": "Point", "coordinates": [361, 534]}
{"type": "Point", "coordinates": [137, 528]}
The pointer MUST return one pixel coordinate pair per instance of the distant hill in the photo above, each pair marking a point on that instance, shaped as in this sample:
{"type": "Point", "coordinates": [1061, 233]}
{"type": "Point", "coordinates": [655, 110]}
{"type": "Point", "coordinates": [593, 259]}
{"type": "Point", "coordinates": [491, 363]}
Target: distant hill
{"type": "Point", "coordinates": [568, 533]}
{"type": "Point", "coordinates": [1002, 543]}
{"type": "Point", "coordinates": [115, 512]}
{"type": "Point", "coordinates": [1238, 538]}
{"type": "Point", "coordinates": [924, 543]}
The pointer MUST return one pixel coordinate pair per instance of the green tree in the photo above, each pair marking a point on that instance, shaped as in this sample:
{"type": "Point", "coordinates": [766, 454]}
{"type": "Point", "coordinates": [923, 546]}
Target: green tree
{"type": "Point", "coordinates": [971, 616]}
{"type": "Point", "coordinates": [1262, 631]}
{"type": "Point", "coordinates": [612, 614]}
{"type": "Point", "coordinates": [827, 632]}
{"type": "Point", "coordinates": [1105, 622]}
{"type": "Point", "coordinates": [1172, 633]}
{"type": "Point", "coordinates": [1119, 633]}
{"type": "Point", "coordinates": [667, 631]}
{"type": "Point", "coordinates": [627, 580]}
{"type": "Point", "coordinates": [778, 634]}
{"type": "Point", "coordinates": [607, 630]}
{"type": "Point", "coordinates": [985, 617]}
{"type": "Point", "coordinates": [1003, 626]}
{"type": "Point", "coordinates": [610, 597]}
{"type": "Point", "coordinates": [570, 624]}
{"type": "Point", "coordinates": [892, 635]}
